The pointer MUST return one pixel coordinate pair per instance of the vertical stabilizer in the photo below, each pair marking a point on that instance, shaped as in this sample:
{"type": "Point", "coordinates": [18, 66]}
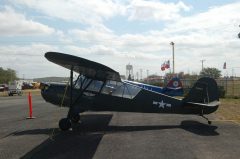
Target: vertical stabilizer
{"type": "Point", "coordinates": [205, 90]}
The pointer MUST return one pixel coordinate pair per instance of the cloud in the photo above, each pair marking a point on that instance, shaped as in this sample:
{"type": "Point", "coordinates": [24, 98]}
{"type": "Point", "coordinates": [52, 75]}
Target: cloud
{"type": "Point", "coordinates": [96, 11]}
{"type": "Point", "coordinates": [14, 24]}
{"type": "Point", "coordinates": [29, 60]}
{"type": "Point", "coordinates": [210, 35]}
{"type": "Point", "coordinates": [220, 22]}
{"type": "Point", "coordinates": [86, 12]}
{"type": "Point", "coordinates": [155, 10]}
{"type": "Point", "coordinates": [196, 37]}
{"type": "Point", "coordinates": [97, 33]}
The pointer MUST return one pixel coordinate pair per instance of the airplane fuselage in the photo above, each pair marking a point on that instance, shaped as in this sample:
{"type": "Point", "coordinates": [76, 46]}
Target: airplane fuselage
{"type": "Point", "coordinates": [144, 101]}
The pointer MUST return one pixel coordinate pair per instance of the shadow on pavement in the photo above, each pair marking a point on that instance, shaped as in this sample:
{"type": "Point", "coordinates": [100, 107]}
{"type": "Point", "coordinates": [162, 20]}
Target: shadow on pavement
{"type": "Point", "coordinates": [83, 140]}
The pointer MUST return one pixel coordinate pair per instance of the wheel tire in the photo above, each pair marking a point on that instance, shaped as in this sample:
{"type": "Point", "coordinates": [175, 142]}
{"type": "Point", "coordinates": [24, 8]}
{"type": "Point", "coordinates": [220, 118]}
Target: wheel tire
{"type": "Point", "coordinates": [75, 118]}
{"type": "Point", "coordinates": [64, 124]}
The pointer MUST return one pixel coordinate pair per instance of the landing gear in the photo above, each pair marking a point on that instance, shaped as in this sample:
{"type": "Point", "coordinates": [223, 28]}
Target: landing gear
{"type": "Point", "coordinates": [65, 124]}
{"type": "Point", "coordinates": [75, 118]}
{"type": "Point", "coordinates": [209, 122]}
{"type": "Point", "coordinates": [202, 115]}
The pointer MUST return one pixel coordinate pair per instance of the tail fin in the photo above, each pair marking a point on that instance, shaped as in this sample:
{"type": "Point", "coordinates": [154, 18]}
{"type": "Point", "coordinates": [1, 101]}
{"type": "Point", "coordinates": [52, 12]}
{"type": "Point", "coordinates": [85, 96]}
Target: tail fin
{"type": "Point", "coordinates": [174, 87]}
{"type": "Point", "coordinates": [204, 91]}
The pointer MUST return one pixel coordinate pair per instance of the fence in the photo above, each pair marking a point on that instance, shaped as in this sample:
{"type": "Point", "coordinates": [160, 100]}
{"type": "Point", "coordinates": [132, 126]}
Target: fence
{"type": "Point", "coordinates": [230, 86]}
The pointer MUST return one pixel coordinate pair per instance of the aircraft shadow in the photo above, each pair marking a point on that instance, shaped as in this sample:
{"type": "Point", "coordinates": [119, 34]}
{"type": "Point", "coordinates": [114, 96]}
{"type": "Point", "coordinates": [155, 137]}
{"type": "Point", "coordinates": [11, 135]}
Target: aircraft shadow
{"type": "Point", "coordinates": [83, 141]}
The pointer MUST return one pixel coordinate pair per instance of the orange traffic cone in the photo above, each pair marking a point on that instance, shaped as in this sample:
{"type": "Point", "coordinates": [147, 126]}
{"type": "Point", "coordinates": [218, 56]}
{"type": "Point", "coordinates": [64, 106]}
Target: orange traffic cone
{"type": "Point", "coordinates": [30, 106]}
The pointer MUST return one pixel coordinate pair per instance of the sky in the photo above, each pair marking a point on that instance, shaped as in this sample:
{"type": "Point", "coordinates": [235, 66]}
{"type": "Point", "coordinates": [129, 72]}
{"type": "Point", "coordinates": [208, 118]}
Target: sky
{"type": "Point", "coordinates": [118, 32]}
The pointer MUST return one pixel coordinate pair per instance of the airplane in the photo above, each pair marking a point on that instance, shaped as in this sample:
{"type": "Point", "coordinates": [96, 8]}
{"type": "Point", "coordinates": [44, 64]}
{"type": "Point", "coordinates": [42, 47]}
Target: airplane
{"type": "Point", "coordinates": [173, 88]}
{"type": "Point", "coordinates": [99, 88]}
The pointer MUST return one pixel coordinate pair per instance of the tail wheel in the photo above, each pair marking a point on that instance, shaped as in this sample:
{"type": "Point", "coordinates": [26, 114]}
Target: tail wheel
{"type": "Point", "coordinates": [65, 124]}
{"type": "Point", "coordinates": [75, 118]}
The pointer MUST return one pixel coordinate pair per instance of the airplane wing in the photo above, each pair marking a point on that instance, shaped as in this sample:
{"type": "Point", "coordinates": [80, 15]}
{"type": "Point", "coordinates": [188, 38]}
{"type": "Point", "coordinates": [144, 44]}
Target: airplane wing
{"type": "Point", "coordinates": [83, 66]}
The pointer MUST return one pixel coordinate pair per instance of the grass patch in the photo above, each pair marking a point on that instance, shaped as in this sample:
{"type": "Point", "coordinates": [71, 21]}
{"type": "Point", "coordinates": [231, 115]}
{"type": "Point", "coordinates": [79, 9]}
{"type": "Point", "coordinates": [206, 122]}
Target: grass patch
{"type": "Point", "coordinates": [229, 109]}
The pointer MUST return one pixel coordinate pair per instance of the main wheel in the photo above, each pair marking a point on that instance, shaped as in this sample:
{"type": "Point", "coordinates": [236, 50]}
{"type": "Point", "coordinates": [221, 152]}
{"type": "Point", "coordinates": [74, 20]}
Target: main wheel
{"type": "Point", "coordinates": [75, 118]}
{"type": "Point", "coordinates": [65, 124]}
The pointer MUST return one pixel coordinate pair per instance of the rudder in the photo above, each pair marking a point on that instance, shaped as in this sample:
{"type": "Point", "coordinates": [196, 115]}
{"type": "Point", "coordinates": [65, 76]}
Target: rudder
{"type": "Point", "coordinates": [205, 90]}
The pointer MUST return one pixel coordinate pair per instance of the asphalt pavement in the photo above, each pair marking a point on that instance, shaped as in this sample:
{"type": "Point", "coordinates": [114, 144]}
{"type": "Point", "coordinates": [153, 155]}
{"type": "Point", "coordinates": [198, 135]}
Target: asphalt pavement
{"type": "Point", "coordinates": [106, 135]}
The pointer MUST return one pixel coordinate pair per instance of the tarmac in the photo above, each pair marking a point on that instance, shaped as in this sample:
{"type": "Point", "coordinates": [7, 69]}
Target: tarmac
{"type": "Point", "coordinates": [106, 135]}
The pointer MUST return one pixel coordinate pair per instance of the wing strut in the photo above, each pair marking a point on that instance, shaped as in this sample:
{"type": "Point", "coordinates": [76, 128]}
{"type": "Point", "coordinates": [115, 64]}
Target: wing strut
{"type": "Point", "coordinates": [71, 86]}
{"type": "Point", "coordinates": [72, 116]}
{"type": "Point", "coordinates": [65, 123]}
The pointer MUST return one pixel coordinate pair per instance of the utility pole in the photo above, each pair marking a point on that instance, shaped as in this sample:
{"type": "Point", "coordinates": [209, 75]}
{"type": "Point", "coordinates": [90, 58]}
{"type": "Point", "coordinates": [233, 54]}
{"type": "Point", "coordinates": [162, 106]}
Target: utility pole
{"type": "Point", "coordinates": [137, 76]}
{"type": "Point", "coordinates": [239, 33]}
{"type": "Point", "coordinates": [147, 76]}
{"type": "Point", "coordinates": [172, 43]}
{"type": "Point", "coordinates": [141, 74]}
{"type": "Point", "coordinates": [202, 63]}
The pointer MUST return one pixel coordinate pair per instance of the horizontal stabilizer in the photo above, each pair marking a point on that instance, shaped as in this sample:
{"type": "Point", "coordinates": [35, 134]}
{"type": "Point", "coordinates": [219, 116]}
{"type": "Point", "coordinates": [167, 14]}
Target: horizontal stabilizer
{"type": "Point", "coordinates": [211, 104]}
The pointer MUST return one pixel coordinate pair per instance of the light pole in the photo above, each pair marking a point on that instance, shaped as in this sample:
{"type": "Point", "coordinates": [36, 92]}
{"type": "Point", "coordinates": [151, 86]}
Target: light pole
{"type": "Point", "coordinates": [239, 33]}
{"type": "Point", "coordinates": [141, 74]}
{"type": "Point", "coordinates": [147, 76]}
{"type": "Point", "coordinates": [172, 43]}
{"type": "Point", "coordinates": [202, 63]}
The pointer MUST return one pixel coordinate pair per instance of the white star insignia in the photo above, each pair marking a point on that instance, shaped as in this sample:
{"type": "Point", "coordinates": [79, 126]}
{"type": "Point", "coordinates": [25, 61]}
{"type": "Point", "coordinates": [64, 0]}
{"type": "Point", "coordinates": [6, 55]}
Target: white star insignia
{"type": "Point", "coordinates": [161, 104]}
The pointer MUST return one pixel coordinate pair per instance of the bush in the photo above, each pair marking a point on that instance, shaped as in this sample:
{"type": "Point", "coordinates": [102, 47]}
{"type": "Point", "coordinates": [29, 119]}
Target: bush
{"type": "Point", "coordinates": [221, 91]}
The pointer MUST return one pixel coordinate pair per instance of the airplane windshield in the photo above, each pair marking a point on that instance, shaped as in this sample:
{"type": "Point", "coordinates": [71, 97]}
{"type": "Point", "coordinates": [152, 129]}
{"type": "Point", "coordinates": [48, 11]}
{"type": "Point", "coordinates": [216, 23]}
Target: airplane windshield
{"type": "Point", "coordinates": [114, 88]}
{"type": "Point", "coordinates": [120, 89]}
{"type": "Point", "coordinates": [82, 82]}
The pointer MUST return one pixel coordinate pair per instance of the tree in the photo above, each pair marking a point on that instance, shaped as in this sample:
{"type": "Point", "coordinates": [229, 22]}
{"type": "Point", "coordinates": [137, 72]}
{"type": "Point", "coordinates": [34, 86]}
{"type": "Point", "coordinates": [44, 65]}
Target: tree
{"type": "Point", "coordinates": [7, 75]}
{"type": "Point", "coordinates": [210, 72]}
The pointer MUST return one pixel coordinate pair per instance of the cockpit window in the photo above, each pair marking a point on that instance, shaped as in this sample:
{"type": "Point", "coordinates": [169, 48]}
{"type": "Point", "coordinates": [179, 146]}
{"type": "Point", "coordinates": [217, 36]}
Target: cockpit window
{"type": "Point", "coordinates": [120, 89]}
{"type": "Point", "coordinates": [78, 82]}
{"type": "Point", "coordinates": [114, 88]}
{"type": "Point", "coordinates": [130, 91]}
{"type": "Point", "coordinates": [94, 86]}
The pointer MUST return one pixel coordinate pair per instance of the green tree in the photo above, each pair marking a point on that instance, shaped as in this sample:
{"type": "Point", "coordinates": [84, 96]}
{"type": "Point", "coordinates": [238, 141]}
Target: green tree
{"type": "Point", "coordinates": [211, 72]}
{"type": "Point", "coordinates": [7, 75]}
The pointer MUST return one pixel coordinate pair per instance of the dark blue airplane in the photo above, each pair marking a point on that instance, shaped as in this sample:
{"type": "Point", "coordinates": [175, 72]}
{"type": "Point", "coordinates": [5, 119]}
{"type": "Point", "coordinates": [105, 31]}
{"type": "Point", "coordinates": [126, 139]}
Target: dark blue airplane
{"type": "Point", "coordinates": [99, 88]}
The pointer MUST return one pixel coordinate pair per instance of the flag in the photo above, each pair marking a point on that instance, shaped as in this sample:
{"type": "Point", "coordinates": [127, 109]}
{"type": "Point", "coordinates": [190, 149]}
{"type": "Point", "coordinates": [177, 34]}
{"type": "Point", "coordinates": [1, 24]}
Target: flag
{"type": "Point", "coordinates": [224, 65]}
{"type": "Point", "coordinates": [163, 67]}
{"type": "Point", "coordinates": [167, 64]}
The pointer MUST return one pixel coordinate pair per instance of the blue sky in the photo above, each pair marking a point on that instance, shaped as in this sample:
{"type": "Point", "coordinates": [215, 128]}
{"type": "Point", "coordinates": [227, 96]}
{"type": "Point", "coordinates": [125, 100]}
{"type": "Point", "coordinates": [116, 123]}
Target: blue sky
{"type": "Point", "coordinates": [116, 33]}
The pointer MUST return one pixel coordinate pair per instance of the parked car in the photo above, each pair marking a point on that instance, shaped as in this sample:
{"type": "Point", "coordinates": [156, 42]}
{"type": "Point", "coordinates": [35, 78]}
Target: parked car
{"type": "Point", "coordinates": [15, 87]}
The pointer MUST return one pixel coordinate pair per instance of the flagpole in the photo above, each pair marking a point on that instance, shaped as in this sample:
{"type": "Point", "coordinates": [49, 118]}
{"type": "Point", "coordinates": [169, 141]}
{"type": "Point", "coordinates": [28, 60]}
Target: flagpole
{"type": "Point", "coordinates": [172, 43]}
